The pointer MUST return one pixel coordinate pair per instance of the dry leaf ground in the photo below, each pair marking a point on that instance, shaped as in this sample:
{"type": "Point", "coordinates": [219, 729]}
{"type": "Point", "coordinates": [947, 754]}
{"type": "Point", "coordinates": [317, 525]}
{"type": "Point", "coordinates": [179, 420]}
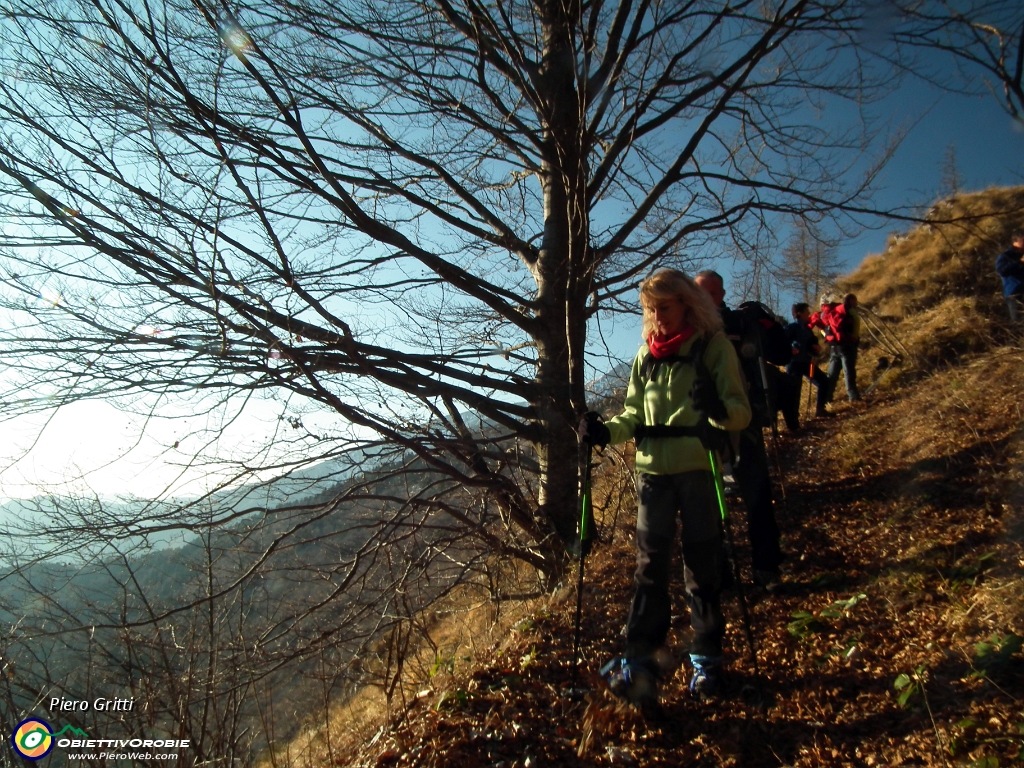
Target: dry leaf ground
{"type": "Point", "coordinates": [896, 640]}
{"type": "Point", "coordinates": [903, 523]}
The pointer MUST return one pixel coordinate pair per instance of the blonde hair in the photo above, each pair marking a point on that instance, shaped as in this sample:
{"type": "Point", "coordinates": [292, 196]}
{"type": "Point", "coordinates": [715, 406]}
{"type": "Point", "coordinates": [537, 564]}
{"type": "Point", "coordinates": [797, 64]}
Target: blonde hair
{"type": "Point", "coordinates": [698, 310]}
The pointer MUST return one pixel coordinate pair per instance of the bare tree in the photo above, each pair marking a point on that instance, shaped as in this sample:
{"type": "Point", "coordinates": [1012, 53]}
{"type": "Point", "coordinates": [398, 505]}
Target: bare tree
{"type": "Point", "coordinates": [809, 263]}
{"type": "Point", "coordinates": [215, 640]}
{"type": "Point", "coordinates": [985, 38]}
{"type": "Point", "coordinates": [404, 213]}
{"type": "Point", "coordinates": [951, 182]}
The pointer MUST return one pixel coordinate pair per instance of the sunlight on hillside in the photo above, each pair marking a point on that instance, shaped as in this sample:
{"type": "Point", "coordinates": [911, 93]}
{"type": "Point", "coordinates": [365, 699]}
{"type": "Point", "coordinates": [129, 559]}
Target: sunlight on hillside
{"type": "Point", "coordinates": [909, 508]}
{"type": "Point", "coordinates": [936, 285]}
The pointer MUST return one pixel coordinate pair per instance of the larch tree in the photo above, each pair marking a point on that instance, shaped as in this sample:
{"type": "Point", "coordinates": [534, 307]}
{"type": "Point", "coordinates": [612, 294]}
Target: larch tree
{"type": "Point", "coordinates": [809, 263]}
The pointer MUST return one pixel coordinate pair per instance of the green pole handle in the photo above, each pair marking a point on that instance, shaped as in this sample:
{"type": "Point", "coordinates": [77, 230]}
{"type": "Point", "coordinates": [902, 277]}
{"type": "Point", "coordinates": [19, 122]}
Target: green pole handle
{"type": "Point", "coordinates": [716, 470]}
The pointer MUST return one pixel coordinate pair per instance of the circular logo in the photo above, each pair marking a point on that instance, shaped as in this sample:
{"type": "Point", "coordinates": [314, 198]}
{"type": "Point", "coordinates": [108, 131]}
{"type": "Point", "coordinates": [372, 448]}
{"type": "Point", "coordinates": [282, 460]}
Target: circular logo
{"type": "Point", "coordinates": [33, 738]}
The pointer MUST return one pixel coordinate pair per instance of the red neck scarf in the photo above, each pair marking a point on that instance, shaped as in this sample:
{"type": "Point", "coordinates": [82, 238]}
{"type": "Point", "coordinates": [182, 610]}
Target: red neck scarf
{"type": "Point", "coordinates": [662, 347]}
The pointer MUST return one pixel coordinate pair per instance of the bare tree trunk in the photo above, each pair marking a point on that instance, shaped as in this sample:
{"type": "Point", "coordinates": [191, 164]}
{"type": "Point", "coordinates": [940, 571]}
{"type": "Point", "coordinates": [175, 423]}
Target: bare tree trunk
{"type": "Point", "coordinates": [562, 270]}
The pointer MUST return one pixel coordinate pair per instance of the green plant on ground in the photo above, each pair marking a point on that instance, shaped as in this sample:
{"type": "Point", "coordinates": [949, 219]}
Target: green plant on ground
{"type": "Point", "coordinates": [958, 735]}
{"type": "Point", "coordinates": [995, 653]}
{"type": "Point", "coordinates": [966, 574]}
{"type": "Point", "coordinates": [456, 699]}
{"type": "Point", "coordinates": [806, 623]}
{"type": "Point", "coordinates": [442, 663]}
{"type": "Point", "coordinates": [528, 659]}
{"type": "Point", "coordinates": [910, 686]}
{"type": "Point", "coordinates": [960, 741]}
{"type": "Point", "coordinates": [846, 647]}
{"type": "Point", "coordinates": [524, 626]}
{"type": "Point", "coordinates": [841, 608]}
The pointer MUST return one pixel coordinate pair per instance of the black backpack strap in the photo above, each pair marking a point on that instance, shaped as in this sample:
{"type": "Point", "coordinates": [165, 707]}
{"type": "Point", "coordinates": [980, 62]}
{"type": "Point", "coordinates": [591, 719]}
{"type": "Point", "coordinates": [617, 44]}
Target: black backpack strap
{"type": "Point", "coordinates": [665, 430]}
{"type": "Point", "coordinates": [649, 366]}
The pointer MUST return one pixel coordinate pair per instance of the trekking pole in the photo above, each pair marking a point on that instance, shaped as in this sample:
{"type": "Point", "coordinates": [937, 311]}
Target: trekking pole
{"type": "Point", "coordinates": [884, 329]}
{"type": "Point", "coordinates": [880, 340]}
{"type": "Point", "coordinates": [810, 392]}
{"type": "Point", "coordinates": [586, 540]}
{"type": "Point", "coordinates": [723, 508]}
{"type": "Point", "coordinates": [774, 436]}
{"type": "Point", "coordinates": [878, 379]}
{"type": "Point", "coordinates": [880, 330]}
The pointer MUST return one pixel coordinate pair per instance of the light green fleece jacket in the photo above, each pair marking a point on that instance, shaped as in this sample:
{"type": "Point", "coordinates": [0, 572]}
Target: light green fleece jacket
{"type": "Point", "coordinates": [665, 399]}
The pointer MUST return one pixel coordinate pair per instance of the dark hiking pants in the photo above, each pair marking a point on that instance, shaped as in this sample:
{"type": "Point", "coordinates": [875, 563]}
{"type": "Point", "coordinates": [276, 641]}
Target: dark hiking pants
{"type": "Point", "coordinates": [1013, 305]}
{"type": "Point", "coordinates": [818, 378]}
{"type": "Point", "coordinates": [751, 472]}
{"type": "Point", "coordinates": [691, 496]}
{"type": "Point", "coordinates": [787, 398]}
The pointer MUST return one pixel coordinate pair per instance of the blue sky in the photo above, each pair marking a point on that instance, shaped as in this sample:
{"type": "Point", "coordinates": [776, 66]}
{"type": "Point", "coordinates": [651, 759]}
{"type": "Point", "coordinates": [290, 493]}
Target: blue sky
{"type": "Point", "coordinates": [989, 147]}
{"type": "Point", "coordinates": [989, 151]}
{"type": "Point", "coordinates": [89, 442]}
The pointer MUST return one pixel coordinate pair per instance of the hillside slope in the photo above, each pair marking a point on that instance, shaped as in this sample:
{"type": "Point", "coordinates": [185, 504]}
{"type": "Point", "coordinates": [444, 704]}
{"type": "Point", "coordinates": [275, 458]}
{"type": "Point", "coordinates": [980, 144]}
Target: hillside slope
{"type": "Point", "coordinates": [897, 640]}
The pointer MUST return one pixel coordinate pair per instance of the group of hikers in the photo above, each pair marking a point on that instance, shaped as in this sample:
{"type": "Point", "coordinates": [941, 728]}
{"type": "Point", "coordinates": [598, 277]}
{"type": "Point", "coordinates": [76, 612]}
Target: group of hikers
{"type": "Point", "coordinates": [702, 388]}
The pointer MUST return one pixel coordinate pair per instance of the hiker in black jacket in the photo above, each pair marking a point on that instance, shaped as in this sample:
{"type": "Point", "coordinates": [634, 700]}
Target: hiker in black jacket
{"type": "Point", "coordinates": [757, 343]}
{"type": "Point", "coordinates": [805, 347]}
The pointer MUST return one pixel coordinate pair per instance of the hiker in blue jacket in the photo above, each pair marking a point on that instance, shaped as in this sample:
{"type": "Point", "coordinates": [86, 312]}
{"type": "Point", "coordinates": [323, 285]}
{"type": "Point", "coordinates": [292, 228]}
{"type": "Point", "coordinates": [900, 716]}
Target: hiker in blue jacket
{"type": "Point", "coordinates": [1010, 267]}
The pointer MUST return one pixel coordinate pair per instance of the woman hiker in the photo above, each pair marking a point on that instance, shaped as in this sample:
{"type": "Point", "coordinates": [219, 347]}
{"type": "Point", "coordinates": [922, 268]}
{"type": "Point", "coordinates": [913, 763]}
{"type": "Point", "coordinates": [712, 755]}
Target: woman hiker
{"type": "Point", "coordinates": [683, 380]}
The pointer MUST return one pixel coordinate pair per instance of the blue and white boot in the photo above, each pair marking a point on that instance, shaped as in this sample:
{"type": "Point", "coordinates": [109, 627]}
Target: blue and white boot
{"type": "Point", "coordinates": [707, 676]}
{"type": "Point", "coordinates": [635, 681]}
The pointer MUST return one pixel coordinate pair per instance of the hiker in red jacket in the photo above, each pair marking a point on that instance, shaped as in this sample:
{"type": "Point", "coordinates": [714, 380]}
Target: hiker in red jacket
{"type": "Point", "coordinates": [842, 331]}
{"type": "Point", "coordinates": [805, 348]}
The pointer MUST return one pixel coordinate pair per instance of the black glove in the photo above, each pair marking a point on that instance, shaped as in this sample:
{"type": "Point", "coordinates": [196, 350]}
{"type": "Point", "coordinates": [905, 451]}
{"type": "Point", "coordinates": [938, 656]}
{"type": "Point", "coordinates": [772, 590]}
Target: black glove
{"type": "Point", "coordinates": [706, 400]}
{"type": "Point", "coordinates": [592, 431]}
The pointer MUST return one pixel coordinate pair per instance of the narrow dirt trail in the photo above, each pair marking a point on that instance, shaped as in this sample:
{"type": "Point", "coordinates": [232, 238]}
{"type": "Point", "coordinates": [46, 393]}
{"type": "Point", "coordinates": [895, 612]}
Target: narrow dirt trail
{"type": "Point", "coordinates": [901, 560]}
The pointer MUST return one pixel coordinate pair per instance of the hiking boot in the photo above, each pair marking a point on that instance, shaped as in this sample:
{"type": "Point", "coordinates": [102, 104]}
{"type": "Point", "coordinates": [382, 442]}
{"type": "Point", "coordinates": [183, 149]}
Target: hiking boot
{"type": "Point", "coordinates": [769, 580]}
{"type": "Point", "coordinates": [643, 694]}
{"type": "Point", "coordinates": [614, 674]}
{"type": "Point", "coordinates": [821, 413]}
{"type": "Point", "coordinates": [706, 682]}
{"type": "Point", "coordinates": [632, 680]}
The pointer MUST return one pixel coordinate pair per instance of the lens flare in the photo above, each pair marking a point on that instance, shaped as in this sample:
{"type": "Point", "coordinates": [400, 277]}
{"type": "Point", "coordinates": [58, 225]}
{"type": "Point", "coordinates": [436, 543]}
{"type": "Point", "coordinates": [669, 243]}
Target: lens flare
{"type": "Point", "coordinates": [235, 38]}
{"type": "Point", "coordinates": [52, 297]}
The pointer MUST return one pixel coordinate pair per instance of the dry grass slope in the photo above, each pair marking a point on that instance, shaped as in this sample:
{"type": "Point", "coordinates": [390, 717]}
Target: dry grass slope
{"type": "Point", "coordinates": [936, 286]}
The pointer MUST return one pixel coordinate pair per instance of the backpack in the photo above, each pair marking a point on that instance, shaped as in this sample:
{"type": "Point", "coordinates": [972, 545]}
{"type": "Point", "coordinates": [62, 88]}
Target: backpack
{"type": "Point", "coordinates": [767, 334]}
{"type": "Point", "coordinates": [845, 328]}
